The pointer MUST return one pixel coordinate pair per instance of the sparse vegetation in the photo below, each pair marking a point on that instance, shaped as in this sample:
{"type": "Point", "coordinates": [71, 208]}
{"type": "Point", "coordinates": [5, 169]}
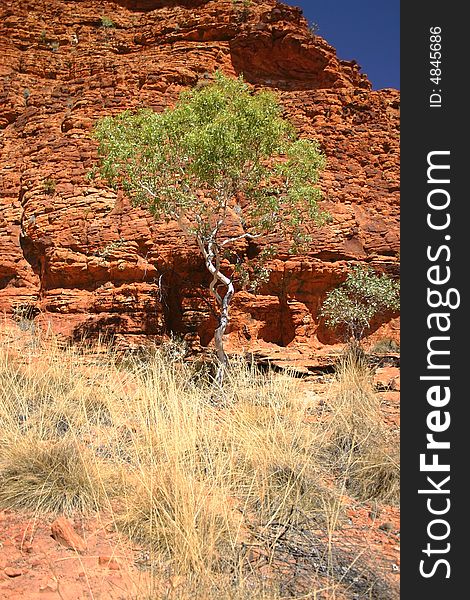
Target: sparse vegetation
{"type": "Point", "coordinates": [24, 314]}
{"type": "Point", "coordinates": [242, 9]}
{"type": "Point", "coordinates": [361, 444]}
{"type": "Point", "coordinates": [107, 23]}
{"type": "Point", "coordinates": [242, 3]}
{"type": "Point", "coordinates": [92, 173]}
{"type": "Point", "coordinates": [47, 42]}
{"type": "Point", "coordinates": [209, 493]}
{"type": "Point", "coordinates": [110, 248]}
{"type": "Point", "coordinates": [48, 186]}
{"type": "Point", "coordinates": [353, 305]}
{"type": "Point", "coordinates": [313, 28]}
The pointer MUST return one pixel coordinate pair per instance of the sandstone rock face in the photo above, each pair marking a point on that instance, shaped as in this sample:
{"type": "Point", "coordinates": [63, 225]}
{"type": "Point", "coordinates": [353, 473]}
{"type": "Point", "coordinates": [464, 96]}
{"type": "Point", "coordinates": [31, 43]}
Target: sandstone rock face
{"type": "Point", "coordinates": [75, 253]}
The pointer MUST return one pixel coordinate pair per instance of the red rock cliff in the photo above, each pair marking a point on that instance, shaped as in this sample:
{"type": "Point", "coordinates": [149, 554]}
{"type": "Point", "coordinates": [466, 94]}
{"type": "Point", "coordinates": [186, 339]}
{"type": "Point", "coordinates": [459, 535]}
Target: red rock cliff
{"type": "Point", "coordinates": [77, 253]}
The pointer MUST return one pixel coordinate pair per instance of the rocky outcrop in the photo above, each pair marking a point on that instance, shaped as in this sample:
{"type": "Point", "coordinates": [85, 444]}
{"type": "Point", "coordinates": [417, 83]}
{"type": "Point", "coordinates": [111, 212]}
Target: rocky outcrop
{"type": "Point", "coordinates": [75, 253]}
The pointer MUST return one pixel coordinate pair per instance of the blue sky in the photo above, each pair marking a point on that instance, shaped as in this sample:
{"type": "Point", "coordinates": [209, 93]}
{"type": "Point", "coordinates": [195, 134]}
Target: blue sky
{"type": "Point", "coordinates": [366, 30]}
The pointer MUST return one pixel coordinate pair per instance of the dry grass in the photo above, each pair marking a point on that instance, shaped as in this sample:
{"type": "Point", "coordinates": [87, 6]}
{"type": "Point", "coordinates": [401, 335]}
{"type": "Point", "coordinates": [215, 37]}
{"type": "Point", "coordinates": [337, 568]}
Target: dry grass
{"type": "Point", "coordinates": [196, 484]}
{"type": "Point", "coordinates": [360, 442]}
{"type": "Point", "coordinates": [49, 476]}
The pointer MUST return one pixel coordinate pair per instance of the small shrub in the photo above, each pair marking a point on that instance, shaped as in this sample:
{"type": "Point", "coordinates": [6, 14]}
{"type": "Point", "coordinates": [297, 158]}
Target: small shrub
{"type": "Point", "coordinates": [43, 37]}
{"type": "Point", "coordinates": [363, 296]}
{"type": "Point", "coordinates": [48, 186]}
{"type": "Point", "coordinates": [245, 4]}
{"type": "Point", "coordinates": [92, 173]}
{"type": "Point", "coordinates": [107, 23]}
{"type": "Point", "coordinates": [111, 247]}
{"type": "Point", "coordinates": [314, 28]}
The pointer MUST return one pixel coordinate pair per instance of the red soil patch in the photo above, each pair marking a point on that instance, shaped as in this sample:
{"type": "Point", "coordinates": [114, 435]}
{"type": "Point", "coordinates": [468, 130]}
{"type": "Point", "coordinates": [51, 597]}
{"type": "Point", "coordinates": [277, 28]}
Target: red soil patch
{"type": "Point", "coordinates": [35, 566]}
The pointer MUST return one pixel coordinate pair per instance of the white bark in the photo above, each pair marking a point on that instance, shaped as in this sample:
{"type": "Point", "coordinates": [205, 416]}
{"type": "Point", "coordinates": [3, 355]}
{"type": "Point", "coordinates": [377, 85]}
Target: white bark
{"type": "Point", "coordinates": [243, 236]}
{"type": "Point", "coordinates": [219, 333]}
{"type": "Point", "coordinates": [212, 260]}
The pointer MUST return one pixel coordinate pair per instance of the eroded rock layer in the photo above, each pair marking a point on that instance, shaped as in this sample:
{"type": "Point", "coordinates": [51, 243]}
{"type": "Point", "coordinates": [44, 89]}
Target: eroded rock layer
{"type": "Point", "coordinates": [75, 253]}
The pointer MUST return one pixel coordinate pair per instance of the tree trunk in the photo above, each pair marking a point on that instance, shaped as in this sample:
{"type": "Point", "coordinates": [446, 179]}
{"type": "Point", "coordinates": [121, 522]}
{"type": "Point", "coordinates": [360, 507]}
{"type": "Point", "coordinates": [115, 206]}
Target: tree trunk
{"type": "Point", "coordinates": [211, 255]}
{"type": "Point", "coordinates": [219, 333]}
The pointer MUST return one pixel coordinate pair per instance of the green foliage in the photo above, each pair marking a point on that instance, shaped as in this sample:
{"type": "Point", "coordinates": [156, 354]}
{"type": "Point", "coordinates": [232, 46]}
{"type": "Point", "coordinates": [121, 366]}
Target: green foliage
{"type": "Point", "coordinates": [242, 10]}
{"type": "Point", "coordinates": [222, 153]}
{"type": "Point", "coordinates": [107, 23]}
{"type": "Point", "coordinates": [220, 149]}
{"type": "Point", "coordinates": [110, 248]}
{"type": "Point", "coordinates": [251, 274]}
{"type": "Point", "coordinates": [363, 296]}
{"type": "Point", "coordinates": [92, 173]}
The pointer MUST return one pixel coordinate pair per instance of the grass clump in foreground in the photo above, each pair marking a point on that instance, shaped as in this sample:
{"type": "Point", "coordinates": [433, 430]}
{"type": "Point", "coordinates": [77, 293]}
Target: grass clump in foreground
{"type": "Point", "coordinates": [361, 444]}
{"type": "Point", "coordinates": [206, 489]}
{"type": "Point", "coordinates": [57, 477]}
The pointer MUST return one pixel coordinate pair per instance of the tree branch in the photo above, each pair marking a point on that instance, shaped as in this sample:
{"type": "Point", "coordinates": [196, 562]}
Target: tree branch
{"type": "Point", "coordinates": [210, 265]}
{"type": "Point", "coordinates": [148, 190]}
{"type": "Point", "coordinates": [248, 236]}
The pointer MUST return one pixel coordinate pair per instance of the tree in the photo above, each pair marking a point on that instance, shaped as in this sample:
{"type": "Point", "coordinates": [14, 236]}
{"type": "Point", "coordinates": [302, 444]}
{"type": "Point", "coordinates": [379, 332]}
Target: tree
{"type": "Point", "coordinates": [364, 295]}
{"type": "Point", "coordinates": [221, 152]}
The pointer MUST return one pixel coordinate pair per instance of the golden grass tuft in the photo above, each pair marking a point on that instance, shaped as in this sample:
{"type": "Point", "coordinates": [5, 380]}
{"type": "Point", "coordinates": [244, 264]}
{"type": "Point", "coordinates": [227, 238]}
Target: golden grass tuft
{"type": "Point", "coordinates": [46, 476]}
{"type": "Point", "coordinates": [364, 450]}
